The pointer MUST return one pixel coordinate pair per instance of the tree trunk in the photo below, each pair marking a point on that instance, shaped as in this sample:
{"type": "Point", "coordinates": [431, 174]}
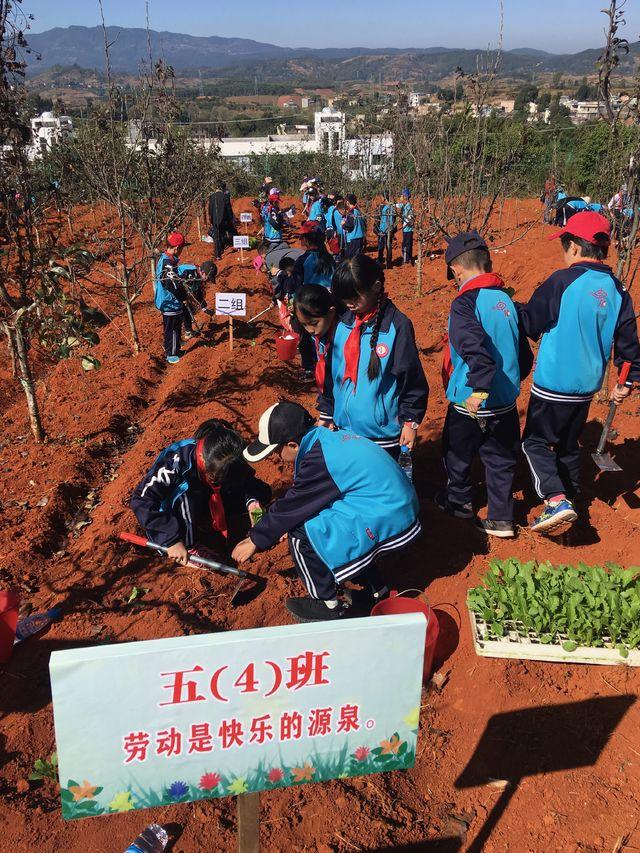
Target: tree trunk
{"type": "Point", "coordinates": [135, 340]}
{"type": "Point", "coordinates": [19, 353]}
{"type": "Point", "coordinates": [419, 260]}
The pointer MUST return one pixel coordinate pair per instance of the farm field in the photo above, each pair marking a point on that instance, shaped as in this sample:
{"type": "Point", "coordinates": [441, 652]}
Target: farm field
{"type": "Point", "coordinates": [63, 503]}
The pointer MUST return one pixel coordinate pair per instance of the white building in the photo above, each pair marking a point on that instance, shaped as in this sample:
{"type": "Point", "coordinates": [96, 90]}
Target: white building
{"type": "Point", "coordinates": [416, 98]}
{"type": "Point", "coordinates": [46, 130]}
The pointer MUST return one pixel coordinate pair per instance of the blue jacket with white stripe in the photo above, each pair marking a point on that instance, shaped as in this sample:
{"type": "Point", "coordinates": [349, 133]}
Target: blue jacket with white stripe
{"type": "Point", "coordinates": [580, 313]}
{"type": "Point", "coordinates": [307, 270]}
{"type": "Point", "coordinates": [351, 497]}
{"type": "Point", "coordinates": [487, 351]}
{"type": "Point", "coordinates": [171, 502]}
{"type": "Point", "coordinates": [376, 409]}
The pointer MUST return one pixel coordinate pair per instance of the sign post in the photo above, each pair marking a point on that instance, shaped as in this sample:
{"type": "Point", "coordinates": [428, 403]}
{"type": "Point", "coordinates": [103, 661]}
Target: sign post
{"type": "Point", "coordinates": [183, 719]}
{"type": "Point", "coordinates": [246, 218]}
{"type": "Point", "coordinates": [231, 305]}
{"type": "Point", "coordinates": [241, 242]}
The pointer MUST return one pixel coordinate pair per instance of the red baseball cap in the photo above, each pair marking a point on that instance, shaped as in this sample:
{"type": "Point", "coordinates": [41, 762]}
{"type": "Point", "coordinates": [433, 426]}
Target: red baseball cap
{"type": "Point", "coordinates": [177, 240]}
{"type": "Point", "coordinates": [587, 225]}
{"type": "Point", "coordinates": [308, 227]}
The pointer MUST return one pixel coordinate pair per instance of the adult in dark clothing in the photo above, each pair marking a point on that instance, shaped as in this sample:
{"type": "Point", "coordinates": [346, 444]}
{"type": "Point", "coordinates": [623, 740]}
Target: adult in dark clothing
{"type": "Point", "coordinates": [217, 214]}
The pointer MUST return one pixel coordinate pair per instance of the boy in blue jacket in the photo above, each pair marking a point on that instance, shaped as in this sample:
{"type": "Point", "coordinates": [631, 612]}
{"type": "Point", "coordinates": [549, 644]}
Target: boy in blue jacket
{"type": "Point", "coordinates": [407, 215]}
{"type": "Point", "coordinates": [349, 502]}
{"type": "Point", "coordinates": [353, 226]}
{"type": "Point", "coordinates": [170, 295]}
{"type": "Point", "coordinates": [193, 487]}
{"type": "Point", "coordinates": [483, 365]}
{"type": "Point", "coordinates": [273, 218]}
{"type": "Point", "coordinates": [385, 227]}
{"type": "Point", "coordinates": [578, 314]}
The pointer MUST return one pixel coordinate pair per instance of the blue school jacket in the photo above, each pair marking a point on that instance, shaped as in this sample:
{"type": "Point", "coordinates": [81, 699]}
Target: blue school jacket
{"type": "Point", "coordinates": [171, 502]}
{"type": "Point", "coordinates": [306, 270]}
{"type": "Point", "coordinates": [354, 225]}
{"type": "Point", "coordinates": [376, 409]}
{"type": "Point", "coordinates": [579, 313]}
{"type": "Point", "coordinates": [387, 218]}
{"type": "Point", "coordinates": [316, 214]}
{"type": "Point", "coordinates": [272, 221]}
{"type": "Point", "coordinates": [351, 497]}
{"type": "Point", "coordinates": [487, 352]}
{"type": "Point", "coordinates": [169, 293]}
{"type": "Point", "coordinates": [406, 212]}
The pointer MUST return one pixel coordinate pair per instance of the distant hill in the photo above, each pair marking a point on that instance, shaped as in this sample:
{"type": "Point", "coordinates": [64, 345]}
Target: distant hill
{"type": "Point", "coordinates": [236, 57]}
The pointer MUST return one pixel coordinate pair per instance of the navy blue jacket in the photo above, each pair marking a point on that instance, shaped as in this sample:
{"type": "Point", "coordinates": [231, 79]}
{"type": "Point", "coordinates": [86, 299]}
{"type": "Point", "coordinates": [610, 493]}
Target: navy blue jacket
{"type": "Point", "coordinates": [579, 313]}
{"type": "Point", "coordinates": [307, 270]}
{"type": "Point", "coordinates": [171, 502]}
{"type": "Point", "coordinates": [488, 353]}
{"type": "Point", "coordinates": [351, 497]}
{"type": "Point", "coordinates": [376, 409]}
{"type": "Point", "coordinates": [168, 288]}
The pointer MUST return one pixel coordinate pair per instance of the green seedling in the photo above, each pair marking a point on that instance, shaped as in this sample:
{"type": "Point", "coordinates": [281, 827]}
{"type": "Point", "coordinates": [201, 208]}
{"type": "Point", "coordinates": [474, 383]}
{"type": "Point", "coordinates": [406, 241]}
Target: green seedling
{"type": "Point", "coordinates": [581, 605]}
{"type": "Point", "coordinates": [256, 514]}
{"type": "Point", "coordinates": [136, 594]}
{"type": "Point", "coordinates": [43, 769]}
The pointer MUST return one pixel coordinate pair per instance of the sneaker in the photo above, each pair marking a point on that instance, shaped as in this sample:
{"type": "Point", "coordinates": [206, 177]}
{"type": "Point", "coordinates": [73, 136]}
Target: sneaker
{"type": "Point", "coordinates": [502, 529]}
{"type": "Point", "coordinates": [555, 519]}
{"type": "Point", "coordinates": [314, 610]}
{"type": "Point", "coordinates": [456, 510]}
{"type": "Point", "coordinates": [188, 335]}
{"type": "Point", "coordinates": [173, 359]}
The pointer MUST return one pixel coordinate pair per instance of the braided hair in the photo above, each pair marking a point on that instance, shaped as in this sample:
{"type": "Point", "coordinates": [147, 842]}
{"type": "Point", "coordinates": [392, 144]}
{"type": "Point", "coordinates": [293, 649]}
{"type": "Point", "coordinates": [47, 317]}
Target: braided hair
{"type": "Point", "coordinates": [359, 276]}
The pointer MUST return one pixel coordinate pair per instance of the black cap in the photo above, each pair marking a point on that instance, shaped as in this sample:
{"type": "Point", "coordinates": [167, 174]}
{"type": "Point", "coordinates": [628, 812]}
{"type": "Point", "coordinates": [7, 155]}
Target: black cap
{"type": "Point", "coordinates": [461, 243]}
{"type": "Point", "coordinates": [210, 270]}
{"type": "Point", "coordinates": [281, 423]}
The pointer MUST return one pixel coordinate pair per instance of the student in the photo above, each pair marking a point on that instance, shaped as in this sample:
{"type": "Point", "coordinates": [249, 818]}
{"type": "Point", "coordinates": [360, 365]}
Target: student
{"type": "Point", "coordinates": [578, 314]}
{"type": "Point", "coordinates": [484, 363]}
{"type": "Point", "coordinates": [284, 282]}
{"type": "Point", "coordinates": [273, 219]}
{"type": "Point", "coordinates": [374, 354]}
{"type": "Point", "coordinates": [349, 502]}
{"type": "Point", "coordinates": [194, 278]}
{"type": "Point", "coordinates": [407, 217]}
{"type": "Point", "coordinates": [317, 209]}
{"type": "Point", "coordinates": [568, 206]}
{"type": "Point", "coordinates": [353, 226]}
{"type": "Point", "coordinates": [335, 233]}
{"type": "Point", "coordinates": [272, 253]}
{"type": "Point", "coordinates": [315, 311]}
{"type": "Point", "coordinates": [384, 226]}
{"type": "Point", "coordinates": [170, 295]}
{"type": "Point", "coordinates": [193, 487]}
{"type": "Point", "coordinates": [265, 189]}
{"type": "Point", "coordinates": [315, 266]}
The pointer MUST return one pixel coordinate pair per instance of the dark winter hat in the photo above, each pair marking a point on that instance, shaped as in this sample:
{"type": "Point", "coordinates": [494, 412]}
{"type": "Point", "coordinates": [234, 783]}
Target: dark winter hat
{"type": "Point", "coordinates": [461, 243]}
{"type": "Point", "coordinates": [209, 270]}
{"type": "Point", "coordinates": [282, 422]}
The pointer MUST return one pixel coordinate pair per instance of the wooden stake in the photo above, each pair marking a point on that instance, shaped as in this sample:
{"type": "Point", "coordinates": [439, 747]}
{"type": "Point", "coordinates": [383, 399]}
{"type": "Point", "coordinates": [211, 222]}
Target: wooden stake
{"type": "Point", "coordinates": [199, 231]}
{"type": "Point", "coordinates": [248, 809]}
{"type": "Point", "coordinates": [231, 337]}
{"type": "Point", "coordinates": [241, 255]}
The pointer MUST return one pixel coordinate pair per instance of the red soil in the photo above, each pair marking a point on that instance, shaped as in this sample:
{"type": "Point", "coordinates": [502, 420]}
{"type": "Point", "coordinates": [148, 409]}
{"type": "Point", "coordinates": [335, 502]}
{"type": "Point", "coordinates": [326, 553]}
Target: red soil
{"type": "Point", "coordinates": [106, 427]}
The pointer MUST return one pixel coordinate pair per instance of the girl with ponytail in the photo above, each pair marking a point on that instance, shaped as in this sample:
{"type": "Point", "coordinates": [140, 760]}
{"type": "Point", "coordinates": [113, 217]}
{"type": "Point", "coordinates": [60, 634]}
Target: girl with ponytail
{"type": "Point", "coordinates": [374, 384]}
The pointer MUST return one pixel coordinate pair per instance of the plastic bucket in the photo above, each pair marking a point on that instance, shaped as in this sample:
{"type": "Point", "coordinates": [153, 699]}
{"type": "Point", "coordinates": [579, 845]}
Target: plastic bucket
{"type": "Point", "coordinates": [9, 604]}
{"type": "Point", "coordinates": [399, 603]}
{"type": "Point", "coordinates": [287, 346]}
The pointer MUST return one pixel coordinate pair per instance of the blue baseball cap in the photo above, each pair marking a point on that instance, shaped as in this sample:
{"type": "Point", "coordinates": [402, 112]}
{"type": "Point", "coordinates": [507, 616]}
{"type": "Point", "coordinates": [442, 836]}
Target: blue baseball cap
{"type": "Point", "coordinates": [461, 243]}
{"type": "Point", "coordinates": [406, 193]}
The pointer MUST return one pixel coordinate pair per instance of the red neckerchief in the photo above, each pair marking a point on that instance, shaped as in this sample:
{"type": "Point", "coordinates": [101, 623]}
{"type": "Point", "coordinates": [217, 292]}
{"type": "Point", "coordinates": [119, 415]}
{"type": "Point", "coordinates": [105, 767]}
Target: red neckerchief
{"type": "Point", "coordinates": [351, 349]}
{"type": "Point", "coordinates": [216, 507]}
{"type": "Point", "coordinates": [321, 363]}
{"type": "Point", "coordinates": [479, 282]}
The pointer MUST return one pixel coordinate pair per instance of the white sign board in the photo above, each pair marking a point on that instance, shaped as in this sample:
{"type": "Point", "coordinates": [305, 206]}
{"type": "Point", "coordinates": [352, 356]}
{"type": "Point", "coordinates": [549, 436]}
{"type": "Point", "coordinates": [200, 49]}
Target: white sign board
{"type": "Point", "coordinates": [241, 242]}
{"type": "Point", "coordinates": [231, 304]}
{"type": "Point", "coordinates": [246, 217]}
{"type": "Point", "coordinates": [162, 722]}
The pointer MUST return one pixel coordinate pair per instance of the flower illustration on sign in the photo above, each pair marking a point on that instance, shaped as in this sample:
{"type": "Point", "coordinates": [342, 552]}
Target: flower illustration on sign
{"type": "Point", "coordinates": [176, 790]}
{"type": "Point", "coordinates": [304, 773]}
{"type": "Point", "coordinates": [84, 791]}
{"type": "Point", "coordinates": [209, 781]}
{"type": "Point", "coordinates": [391, 746]}
{"type": "Point", "coordinates": [275, 775]}
{"type": "Point", "coordinates": [238, 786]}
{"type": "Point", "coordinates": [361, 753]}
{"type": "Point", "coordinates": [122, 802]}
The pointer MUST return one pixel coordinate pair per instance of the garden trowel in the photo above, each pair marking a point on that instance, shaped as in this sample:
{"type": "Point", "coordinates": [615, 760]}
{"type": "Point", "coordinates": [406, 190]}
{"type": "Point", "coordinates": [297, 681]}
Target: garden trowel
{"type": "Point", "coordinates": [605, 461]}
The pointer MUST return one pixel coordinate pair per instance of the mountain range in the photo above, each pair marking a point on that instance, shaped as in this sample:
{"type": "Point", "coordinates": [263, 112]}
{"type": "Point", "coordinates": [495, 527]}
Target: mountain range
{"type": "Point", "coordinates": [237, 57]}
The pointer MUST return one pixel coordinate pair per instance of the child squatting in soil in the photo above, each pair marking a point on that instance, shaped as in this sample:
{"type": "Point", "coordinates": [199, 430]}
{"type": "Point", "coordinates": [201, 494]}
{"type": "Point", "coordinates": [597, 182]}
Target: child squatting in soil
{"type": "Point", "coordinates": [193, 487]}
{"type": "Point", "coordinates": [374, 384]}
{"type": "Point", "coordinates": [349, 501]}
{"type": "Point", "coordinates": [578, 314]}
{"type": "Point", "coordinates": [484, 361]}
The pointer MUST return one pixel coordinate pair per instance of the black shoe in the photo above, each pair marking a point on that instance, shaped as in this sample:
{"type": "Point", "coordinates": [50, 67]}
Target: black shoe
{"type": "Point", "coordinates": [456, 510]}
{"type": "Point", "coordinates": [314, 610]}
{"type": "Point", "coordinates": [502, 529]}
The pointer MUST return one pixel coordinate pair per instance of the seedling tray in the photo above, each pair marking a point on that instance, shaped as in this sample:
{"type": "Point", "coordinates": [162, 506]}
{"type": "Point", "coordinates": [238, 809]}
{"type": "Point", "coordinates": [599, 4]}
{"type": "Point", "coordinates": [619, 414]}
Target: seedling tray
{"type": "Point", "coordinates": [520, 644]}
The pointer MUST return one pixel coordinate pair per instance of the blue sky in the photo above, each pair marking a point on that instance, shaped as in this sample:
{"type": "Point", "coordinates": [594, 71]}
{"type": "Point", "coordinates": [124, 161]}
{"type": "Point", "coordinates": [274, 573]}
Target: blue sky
{"type": "Point", "coordinates": [559, 26]}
